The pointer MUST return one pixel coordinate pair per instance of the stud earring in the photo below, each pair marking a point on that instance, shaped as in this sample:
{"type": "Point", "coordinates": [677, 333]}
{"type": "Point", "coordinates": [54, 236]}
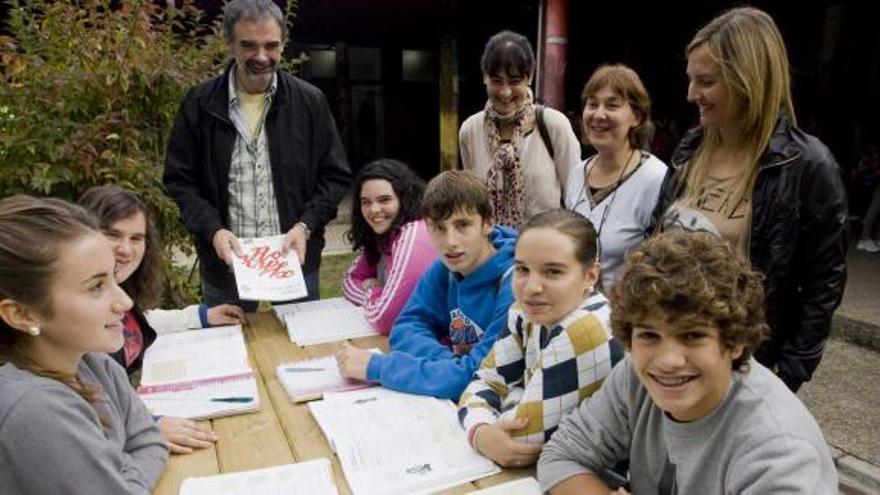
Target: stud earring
{"type": "Point", "coordinates": [590, 289]}
{"type": "Point", "coordinates": [34, 331]}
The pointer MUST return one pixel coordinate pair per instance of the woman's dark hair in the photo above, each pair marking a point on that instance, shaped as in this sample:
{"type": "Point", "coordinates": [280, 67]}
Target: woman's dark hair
{"type": "Point", "coordinates": [409, 189]}
{"type": "Point", "coordinates": [572, 225]}
{"type": "Point", "coordinates": [33, 233]}
{"type": "Point", "coordinates": [109, 204]}
{"type": "Point", "coordinates": [508, 53]}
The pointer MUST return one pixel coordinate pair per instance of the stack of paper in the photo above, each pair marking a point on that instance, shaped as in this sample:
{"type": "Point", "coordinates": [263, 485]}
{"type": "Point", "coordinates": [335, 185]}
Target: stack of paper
{"type": "Point", "coordinates": [522, 486]}
{"type": "Point", "coordinates": [393, 443]}
{"type": "Point", "coordinates": [199, 374]}
{"type": "Point", "coordinates": [312, 378]}
{"type": "Point", "coordinates": [326, 320]}
{"type": "Point", "coordinates": [262, 274]}
{"type": "Point", "coordinates": [305, 478]}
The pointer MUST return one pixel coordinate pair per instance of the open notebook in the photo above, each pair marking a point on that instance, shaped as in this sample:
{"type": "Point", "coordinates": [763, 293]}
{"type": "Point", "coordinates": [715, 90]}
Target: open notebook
{"type": "Point", "coordinates": [310, 379]}
{"type": "Point", "coordinates": [393, 443]}
{"type": "Point", "coordinates": [199, 374]}
{"type": "Point", "coordinates": [305, 478]}
{"type": "Point", "coordinates": [326, 320]}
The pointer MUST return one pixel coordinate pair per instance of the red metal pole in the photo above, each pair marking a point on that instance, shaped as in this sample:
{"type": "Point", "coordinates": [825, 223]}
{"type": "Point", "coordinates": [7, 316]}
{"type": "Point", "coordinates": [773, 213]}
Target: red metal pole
{"type": "Point", "coordinates": [554, 58]}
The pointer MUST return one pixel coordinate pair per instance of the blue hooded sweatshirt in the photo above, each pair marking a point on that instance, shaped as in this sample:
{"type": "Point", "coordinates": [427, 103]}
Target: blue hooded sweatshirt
{"type": "Point", "coordinates": [448, 325]}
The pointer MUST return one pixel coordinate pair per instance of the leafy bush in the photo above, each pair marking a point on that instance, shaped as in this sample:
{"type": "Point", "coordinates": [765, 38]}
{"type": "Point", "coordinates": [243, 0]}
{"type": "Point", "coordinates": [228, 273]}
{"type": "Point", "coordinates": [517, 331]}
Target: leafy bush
{"type": "Point", "coordinates": [88, 96]}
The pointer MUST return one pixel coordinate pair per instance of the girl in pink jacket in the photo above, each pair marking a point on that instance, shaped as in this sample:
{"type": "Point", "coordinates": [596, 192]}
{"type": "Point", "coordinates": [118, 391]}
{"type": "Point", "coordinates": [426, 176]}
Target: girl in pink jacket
{"type": "Point", "coordinates": [388, 230]}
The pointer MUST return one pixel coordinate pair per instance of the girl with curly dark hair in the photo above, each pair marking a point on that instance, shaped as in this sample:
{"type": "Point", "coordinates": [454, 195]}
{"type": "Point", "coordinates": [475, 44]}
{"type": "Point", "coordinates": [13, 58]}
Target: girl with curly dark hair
{"type": "Point", "coordinates": [388, 230]}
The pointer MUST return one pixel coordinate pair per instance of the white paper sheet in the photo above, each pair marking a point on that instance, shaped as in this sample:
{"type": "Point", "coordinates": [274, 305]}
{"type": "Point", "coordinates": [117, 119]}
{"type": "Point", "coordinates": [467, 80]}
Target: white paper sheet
{"type": "Point", "coordinates": [393, 443]}
{"type": "Point", "coordinates": [262, 274]}
{"type": "Point", "coordinates": [305, 478]}
{"type": "Point", "coordinates": [522, 486]}
{"type": "Point", "coordinates": [325, 320]}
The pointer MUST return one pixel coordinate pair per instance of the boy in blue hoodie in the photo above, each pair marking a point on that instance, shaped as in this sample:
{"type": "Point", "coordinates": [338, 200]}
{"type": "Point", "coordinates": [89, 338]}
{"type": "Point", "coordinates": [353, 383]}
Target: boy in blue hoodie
{"type": "Point", "coordinates": [459, 306]}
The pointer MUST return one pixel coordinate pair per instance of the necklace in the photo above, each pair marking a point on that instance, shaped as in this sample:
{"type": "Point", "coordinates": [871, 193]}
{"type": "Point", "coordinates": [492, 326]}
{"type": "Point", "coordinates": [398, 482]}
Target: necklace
{"type": "Point", "coordinates": [616, 186]}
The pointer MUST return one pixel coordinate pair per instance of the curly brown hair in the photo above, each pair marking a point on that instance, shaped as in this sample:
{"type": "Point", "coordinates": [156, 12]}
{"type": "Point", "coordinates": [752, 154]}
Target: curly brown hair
{"type": "Point", "coordinates": [678, 275]}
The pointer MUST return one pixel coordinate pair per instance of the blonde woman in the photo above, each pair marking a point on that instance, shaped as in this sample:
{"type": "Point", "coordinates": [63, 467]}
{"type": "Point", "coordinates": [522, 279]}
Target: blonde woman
{"type": "Point", "coordinates": [748, 174]}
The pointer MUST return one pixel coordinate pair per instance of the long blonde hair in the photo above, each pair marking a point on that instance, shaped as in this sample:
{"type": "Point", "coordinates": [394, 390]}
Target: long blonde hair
{"type": "Point", "coordinates": [747, 46]}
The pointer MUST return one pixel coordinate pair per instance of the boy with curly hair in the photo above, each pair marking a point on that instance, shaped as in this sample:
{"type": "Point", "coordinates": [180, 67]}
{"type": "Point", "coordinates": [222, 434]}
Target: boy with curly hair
{"type": "Point", "coordinates": [690, 407]}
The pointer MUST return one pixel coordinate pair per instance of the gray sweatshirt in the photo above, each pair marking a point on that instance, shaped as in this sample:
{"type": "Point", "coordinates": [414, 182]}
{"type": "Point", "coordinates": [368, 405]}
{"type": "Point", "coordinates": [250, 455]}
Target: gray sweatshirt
{"type": "Point", "coordinates": [760, 439]}
{"type": "Point", "coordinates": [52, 442]}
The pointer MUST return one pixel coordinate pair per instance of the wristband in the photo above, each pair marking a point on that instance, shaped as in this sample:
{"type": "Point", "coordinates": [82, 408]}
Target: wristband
{"type": "Point", "coordinates": [472, 435]}
{"type": "Point", "coordinates": [203, 315]}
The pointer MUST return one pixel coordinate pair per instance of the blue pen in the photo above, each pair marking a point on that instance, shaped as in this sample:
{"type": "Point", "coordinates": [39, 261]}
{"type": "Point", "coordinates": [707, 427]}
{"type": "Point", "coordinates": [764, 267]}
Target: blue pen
{"type": "Point", "coordinates": [295, 369]}
{"type": "Point", "coordinates": [232, 399]}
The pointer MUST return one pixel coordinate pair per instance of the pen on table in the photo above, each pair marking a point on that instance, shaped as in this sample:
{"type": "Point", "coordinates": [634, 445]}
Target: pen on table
{"type": "Point", "coordinates": [232, 399]}
{"type": "Point", "coordinates": [295, 369]}
{"type": "Point", "coordinates": [199, 399]}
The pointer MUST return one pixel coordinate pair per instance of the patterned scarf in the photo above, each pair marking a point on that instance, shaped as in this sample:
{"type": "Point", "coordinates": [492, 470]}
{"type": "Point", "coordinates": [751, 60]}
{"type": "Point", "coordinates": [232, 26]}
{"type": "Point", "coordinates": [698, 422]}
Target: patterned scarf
{"type": "Point", "coordinates": [505, 177]}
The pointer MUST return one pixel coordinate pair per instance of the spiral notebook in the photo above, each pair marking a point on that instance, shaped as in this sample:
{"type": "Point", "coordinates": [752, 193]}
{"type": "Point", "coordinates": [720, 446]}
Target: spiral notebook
{"type": "Point", "coordinates": [199, 374]}
{"type": "Point", "coordinates": [310, 379]}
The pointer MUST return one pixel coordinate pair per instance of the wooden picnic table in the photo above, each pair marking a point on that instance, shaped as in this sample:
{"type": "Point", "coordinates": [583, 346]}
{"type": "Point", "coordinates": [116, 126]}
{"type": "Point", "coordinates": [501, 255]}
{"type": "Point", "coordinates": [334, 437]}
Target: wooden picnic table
{"type": "Point", "coordinates": [281, 432]}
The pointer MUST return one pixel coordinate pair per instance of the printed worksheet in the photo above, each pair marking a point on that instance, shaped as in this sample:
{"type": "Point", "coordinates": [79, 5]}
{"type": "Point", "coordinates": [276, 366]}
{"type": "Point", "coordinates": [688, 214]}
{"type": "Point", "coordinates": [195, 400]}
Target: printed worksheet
{"type": "Point", "coordinates": [393, 443]}
{"type": "Point", "coordinates": [522, 486]}
{"type": "Point", "coordinates": [195, 355]}
{"type": "Point", "coordinates": [263, 274]}
{"type": "Point", "coordinates": [304, 478]}
{"type": "Point", "coordinates": [325, 320]}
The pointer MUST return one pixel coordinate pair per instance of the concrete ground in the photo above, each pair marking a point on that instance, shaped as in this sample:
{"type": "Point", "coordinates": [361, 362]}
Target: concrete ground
{"type": "Point", "coordinates": [861, 301]}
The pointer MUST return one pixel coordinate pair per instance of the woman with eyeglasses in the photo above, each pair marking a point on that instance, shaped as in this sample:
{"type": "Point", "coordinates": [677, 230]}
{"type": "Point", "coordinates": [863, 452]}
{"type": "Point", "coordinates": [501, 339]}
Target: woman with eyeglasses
{"type": "Point", "coordinates": [616, 188]}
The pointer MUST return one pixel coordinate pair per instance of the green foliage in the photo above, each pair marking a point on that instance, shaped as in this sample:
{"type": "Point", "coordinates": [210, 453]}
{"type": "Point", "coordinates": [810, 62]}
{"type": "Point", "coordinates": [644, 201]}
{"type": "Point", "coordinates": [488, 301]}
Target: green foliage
{"type": "Point", "coordinates": [333, 267]}
{"type": "Point", "coordinates": [88, 96]}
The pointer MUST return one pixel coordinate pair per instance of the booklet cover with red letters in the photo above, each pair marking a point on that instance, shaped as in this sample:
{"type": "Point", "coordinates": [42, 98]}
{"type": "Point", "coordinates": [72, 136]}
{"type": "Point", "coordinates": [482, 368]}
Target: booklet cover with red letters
{"type": "Point", "coordinates": [262, 273]}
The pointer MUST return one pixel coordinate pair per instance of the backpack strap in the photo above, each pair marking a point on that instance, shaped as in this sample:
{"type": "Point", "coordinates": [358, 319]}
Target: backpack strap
{"type": "Point", "coordinates": [542, 130]}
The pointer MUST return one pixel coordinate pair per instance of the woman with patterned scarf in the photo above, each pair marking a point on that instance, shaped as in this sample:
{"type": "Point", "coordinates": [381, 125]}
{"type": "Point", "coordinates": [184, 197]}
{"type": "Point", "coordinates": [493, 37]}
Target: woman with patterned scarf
{"type": "Point", "coordinates": [524, 151]}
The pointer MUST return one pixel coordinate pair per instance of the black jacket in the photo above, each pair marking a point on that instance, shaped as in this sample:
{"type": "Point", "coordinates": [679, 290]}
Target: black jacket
{"type": "Point", "coordinates": [798, 241]}
{"type": "Point", "coordinates": [310, 172]}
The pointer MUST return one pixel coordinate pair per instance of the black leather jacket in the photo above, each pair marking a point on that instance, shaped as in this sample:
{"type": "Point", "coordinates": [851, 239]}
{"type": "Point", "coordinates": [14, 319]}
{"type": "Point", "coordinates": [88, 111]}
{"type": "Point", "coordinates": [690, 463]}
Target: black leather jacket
{"type": "Point", "coordinates": [798, 241]}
